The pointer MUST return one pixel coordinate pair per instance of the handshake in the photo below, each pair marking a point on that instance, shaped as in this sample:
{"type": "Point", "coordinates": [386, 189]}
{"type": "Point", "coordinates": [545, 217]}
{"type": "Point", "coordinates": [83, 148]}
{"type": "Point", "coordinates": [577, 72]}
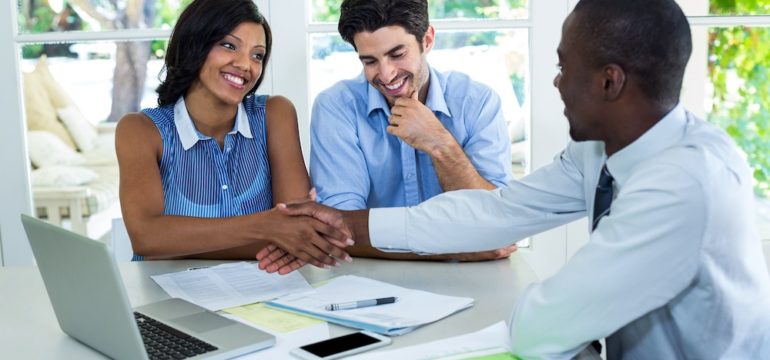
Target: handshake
{"type": "Point", "coordinates": [310, 233]}
{"type": "Point", "coordinates": [306, 233]}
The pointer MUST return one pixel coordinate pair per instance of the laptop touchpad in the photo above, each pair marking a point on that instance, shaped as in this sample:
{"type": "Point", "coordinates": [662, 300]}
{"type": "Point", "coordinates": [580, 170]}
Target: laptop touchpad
{"type": "Point", "coordinates": [202, 322]}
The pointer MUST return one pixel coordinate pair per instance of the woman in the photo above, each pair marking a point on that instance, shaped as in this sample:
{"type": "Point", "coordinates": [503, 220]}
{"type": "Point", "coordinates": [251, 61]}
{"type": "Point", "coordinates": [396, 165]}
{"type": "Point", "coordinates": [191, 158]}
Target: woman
{"type": "Point", "coordinates": [201, 173]}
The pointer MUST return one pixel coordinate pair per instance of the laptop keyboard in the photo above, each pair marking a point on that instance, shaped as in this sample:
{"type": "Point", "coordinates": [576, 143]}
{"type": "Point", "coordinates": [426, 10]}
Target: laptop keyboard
{"type": "Point", "coordinates": [164, 342]}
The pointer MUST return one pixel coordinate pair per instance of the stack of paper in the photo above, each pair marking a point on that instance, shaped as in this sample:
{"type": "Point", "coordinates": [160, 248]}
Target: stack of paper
{"type": "Point", "coordinates": [229, 285]}
{"type": "Point", "coordinates": [491, 343]}
{"type": "Point", "coordinates": [413, 307]}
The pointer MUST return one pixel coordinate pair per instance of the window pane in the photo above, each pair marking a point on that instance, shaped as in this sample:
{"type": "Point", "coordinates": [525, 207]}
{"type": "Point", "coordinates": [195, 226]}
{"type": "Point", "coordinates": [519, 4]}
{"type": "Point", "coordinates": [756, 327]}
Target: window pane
{"type": "Point", "coordinates": [87, 77]}
{"type": "Point", "coordinates": [499, 59]}
{"type": "Point", "coordinates": [329, 10]}
{"type": "Point", "coordinates": [725, 7]}
{"type": "Point", "coordinates": [733, 63]}
{"type": "Point", "coordinates": [74, 166]}
{"type": "Point", "coordinates": [478, 9]}
{"type": "Point", "coordinates": [60, 15]}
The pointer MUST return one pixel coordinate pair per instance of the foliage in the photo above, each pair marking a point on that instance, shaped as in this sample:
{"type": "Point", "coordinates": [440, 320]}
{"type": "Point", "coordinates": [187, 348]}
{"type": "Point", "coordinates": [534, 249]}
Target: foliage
{"type": "Point", "coordinates": [40, 21]}
{"type": "Point", "coordinates": [479, 9]}
{"type": "Point", "coordinates": [329, 10]}
{"type": "Point", "coordinates": [166, 13]}
{"type": "Point", "coordinates": [43, 19]}
{"type": "Point", "coordinates": [739, 7]}
{"type": "Point", "coordinates": [326, 10]}
{"type": "Point", "coordinates": [738, 68]}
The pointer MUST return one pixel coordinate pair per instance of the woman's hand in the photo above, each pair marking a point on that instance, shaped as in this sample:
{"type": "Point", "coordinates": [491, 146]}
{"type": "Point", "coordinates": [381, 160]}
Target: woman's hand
{"type": "Point", "coordinates": [300, 239]}
{"type": "Point", "coordinates": [274, 257]}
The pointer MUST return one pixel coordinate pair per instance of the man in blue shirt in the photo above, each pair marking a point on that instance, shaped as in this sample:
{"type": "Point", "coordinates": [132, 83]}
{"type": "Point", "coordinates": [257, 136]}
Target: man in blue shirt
{"type": "Point", "coordinates": [402, 132]}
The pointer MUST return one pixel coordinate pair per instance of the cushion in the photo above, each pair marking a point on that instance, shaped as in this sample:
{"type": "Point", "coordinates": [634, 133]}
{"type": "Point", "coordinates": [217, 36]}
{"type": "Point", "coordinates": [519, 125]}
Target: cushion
{"type": "Point", "coordinates": [57, 94]}
{"type": "Point", "coordinates": [58, 176]}
{"type": "Point", "coordinates": [103, 152]}
{"type": "Point", "coordinates": [41, 114]}
{"type": "Point", "coordinates": [46, 149]}
{"type": "Point", "coordinates": [80, 129]}
{"type": "Point", "coordinates": [104, 191]}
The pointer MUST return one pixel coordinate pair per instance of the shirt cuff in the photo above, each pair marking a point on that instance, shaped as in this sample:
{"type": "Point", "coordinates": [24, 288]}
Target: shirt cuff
{"type": "Point", "coordinates": [387, 229]}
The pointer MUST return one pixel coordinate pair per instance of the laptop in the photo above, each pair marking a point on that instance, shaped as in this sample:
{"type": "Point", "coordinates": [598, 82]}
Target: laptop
{"type": "Point", "coordinates": [90, 302]}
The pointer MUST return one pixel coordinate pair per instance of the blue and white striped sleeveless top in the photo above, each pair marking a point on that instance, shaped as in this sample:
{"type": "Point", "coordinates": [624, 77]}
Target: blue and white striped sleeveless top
{"type": "Point", "coordinates": [208, 181]}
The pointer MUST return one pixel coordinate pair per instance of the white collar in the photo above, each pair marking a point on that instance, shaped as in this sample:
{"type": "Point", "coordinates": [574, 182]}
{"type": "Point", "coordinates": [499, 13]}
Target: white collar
{"type": "Point", "coordinates": [189, 135]}
{"type": "Point", "coordinates": [664, 134]}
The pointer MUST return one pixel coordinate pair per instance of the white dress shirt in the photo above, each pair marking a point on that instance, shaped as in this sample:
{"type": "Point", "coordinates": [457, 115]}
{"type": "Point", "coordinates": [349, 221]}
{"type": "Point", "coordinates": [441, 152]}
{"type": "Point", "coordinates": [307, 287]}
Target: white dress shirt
{"type": "Point", "coordinates": [674, 271]}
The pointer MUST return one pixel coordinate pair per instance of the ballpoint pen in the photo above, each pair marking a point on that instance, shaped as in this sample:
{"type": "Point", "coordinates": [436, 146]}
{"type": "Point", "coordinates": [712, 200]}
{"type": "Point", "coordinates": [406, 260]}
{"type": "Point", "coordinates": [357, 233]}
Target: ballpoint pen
{"type": "Point", "coordinates": [198, 268]}
{"type": "Point", "coordinates": [361, 303]}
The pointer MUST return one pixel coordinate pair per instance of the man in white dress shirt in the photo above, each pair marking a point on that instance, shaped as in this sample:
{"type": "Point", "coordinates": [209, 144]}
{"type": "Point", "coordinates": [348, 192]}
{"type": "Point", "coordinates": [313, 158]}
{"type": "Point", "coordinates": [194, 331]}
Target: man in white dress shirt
{"type": "Point", "coordinates": [674, 266]}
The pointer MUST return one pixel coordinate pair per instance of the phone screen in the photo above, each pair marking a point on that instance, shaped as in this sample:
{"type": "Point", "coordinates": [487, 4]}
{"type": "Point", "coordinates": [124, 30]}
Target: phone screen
{"type": "Point", "coordinates": [339, 344]}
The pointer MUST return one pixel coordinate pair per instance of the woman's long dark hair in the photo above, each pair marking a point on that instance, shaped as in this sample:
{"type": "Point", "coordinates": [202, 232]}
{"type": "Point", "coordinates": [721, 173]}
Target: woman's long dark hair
{"type": "Point", "coordinates": [201, 25]}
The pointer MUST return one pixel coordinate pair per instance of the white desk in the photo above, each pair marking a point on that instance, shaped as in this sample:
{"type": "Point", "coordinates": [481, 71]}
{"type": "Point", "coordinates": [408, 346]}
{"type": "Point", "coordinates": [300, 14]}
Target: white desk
{"type": "Point", "coordinates": [29, 330]}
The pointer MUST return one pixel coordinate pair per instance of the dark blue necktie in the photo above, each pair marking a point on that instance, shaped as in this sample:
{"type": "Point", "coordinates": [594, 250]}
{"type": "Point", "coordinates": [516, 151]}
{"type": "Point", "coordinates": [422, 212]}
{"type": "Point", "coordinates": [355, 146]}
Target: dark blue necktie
{"type": "Point", "coordinates": [603, 197]}
{"type": "Point", "coordinates": [602, 201]}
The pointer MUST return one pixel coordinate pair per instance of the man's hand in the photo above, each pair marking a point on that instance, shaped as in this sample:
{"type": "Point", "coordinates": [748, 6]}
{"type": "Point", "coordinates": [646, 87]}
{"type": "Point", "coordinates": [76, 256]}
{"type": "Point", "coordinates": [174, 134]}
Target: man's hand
{"type": "Point", "coordinates": [308, 239]}
{"type": "Point", "coordinates": [272, 258]}
{"type": "Point", "coordinates": [417, 125]}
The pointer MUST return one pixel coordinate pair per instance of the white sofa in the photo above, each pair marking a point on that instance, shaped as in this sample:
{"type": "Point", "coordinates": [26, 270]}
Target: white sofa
{"type": "Point", "coordinates": [74, 167]}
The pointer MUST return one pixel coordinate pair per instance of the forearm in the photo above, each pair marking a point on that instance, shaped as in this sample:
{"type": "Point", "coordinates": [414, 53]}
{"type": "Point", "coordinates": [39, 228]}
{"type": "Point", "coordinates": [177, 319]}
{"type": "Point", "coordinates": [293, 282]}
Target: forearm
{"type": "Point", "coordinates": [247, 252]}
{"type": "Point", "coordinates": [358, 222]}
{"type": "Point", "coordinates": [166, 236]}
{"type": "Point", "coordinates": [370, 252]}
{"type": "Point", "coordinates": [455, 171]}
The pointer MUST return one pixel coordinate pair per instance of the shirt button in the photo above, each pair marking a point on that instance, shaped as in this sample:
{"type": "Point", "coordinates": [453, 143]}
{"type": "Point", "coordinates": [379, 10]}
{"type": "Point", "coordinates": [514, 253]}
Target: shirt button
{"type": "Point", "coordinates": [409, 176]}
{"type": "Point", "coordinates": [228, 149]}
{"type": "Point", "coordinates": [224, 187]}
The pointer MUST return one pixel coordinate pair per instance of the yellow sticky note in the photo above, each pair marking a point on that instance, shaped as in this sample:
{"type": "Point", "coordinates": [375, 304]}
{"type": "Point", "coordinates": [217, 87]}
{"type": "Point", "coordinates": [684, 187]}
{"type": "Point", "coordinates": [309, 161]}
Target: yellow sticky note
{"type": "Point", "coordinates": [263, 316]}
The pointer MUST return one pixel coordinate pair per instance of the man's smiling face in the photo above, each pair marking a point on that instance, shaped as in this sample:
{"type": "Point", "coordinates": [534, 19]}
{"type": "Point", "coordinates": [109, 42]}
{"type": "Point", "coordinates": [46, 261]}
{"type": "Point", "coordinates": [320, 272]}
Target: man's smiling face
{"type": "Point", "coordinates": [394, 61]}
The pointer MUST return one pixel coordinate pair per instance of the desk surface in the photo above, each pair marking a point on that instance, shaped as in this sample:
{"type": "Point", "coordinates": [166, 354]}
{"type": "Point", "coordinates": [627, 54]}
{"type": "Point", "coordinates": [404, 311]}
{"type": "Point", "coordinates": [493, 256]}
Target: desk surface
{"type": "Point", "coordinates": [28, 326]}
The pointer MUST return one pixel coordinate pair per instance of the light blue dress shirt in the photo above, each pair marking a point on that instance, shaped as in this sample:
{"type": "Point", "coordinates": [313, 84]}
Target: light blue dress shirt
{"type": "Point", "coordinates": [675, 271]}
{"type": "Point", "coordinates": [356, 164]}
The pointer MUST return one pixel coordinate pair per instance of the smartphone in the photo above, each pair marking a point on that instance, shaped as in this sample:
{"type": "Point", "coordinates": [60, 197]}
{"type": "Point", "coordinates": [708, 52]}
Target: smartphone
{"type": "Point", "coordinates": [340, 346]}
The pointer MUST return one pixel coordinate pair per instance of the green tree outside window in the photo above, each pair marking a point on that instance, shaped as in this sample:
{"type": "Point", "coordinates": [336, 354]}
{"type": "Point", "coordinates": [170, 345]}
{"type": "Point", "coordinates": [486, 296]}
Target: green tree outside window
{"type": "Point", "coordinates": [738, 68]}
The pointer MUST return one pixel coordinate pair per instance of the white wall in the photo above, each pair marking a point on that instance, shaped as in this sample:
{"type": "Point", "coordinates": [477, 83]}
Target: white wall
{"type": "Point", "coordinates": [14, 188]}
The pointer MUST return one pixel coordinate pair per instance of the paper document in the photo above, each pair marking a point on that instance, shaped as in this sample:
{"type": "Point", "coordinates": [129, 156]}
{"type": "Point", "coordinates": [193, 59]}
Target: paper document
{"type": "Point", "coordinates": [413, 307]}
{"type": "Point", "coordinates": [277, 321]}
{"type": "Point", "coordinates": [229, 285]}
{"type": "Point", "coordinates": [491, 343]}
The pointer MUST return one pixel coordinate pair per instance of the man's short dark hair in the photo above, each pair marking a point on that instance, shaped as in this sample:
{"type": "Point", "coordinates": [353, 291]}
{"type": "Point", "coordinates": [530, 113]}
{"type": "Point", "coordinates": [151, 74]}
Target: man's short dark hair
{"type": "Point", "coordinates": [649, 39]}
{"type": "Point", "coordinates": [369, 15]}
{"type": "Point", "coordinates": [199, 27]}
